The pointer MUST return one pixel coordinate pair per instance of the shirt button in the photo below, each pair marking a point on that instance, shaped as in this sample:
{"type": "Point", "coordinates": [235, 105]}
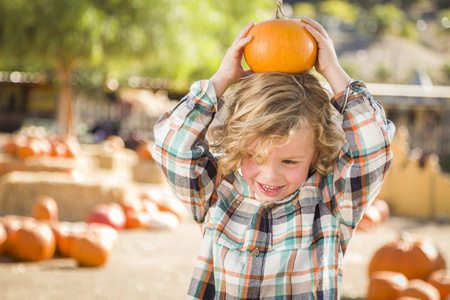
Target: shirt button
{"type": "Point", "coordinates": [295, 202]}
{"type": "Point", "coordinates": [235, 204]}
{"type": "Point", "coordinates": [255, 252]}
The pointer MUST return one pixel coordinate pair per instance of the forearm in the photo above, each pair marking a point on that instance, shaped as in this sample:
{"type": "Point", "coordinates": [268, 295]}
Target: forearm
{"type": "Point", "coordinates": [337, 78]}
{"type": "Point", "coordinates": [220, 84]}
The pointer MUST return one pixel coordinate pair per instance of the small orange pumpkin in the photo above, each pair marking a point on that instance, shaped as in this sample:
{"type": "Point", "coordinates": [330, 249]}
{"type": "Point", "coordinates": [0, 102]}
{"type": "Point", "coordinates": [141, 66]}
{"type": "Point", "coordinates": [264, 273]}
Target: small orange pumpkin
{"type": "Point", "coordinates": [34, 241]}
{"type": "Point", "coordinates": [385, 285]}
{"type": "Point", "coordinates": [137, 219]}
{"type": "Point", "coordinates": [383, 208]}
{"type": "Point", "coordinates": [420, 289]}
{"type": "Point", "coordinates": [280, 45]}
{"type": "Point", "coordinates": [12, 224]}
{"type": "Point", "coordinates": [440, 279]}
{"type": "Point", "coordinates": [414, 257]}
{"type": "Point", "coordinates": [65, 233]}
{"type": "Point", "coordinates": [135, 214]}
{"type": "Point", "coordinates": [144, 151]}
{"type": "Point", "coordinates": [92, 249]}
{"type": "Point", "coordinates": [371, 219]}
{"type": "Point", "coordinates": [45, 208]}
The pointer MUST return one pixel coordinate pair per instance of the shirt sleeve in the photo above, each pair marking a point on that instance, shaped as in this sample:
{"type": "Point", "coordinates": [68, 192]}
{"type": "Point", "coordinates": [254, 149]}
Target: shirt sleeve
{"type": "Point", "coordinates": [182, 151]}
{"type": "Point", "coordinates": [364, 159]}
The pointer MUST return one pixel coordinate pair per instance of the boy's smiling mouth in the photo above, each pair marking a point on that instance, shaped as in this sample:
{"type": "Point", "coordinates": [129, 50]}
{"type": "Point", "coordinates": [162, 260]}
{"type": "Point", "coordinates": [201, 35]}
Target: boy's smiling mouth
{"type": "Point", "coordinates": [269, 189]}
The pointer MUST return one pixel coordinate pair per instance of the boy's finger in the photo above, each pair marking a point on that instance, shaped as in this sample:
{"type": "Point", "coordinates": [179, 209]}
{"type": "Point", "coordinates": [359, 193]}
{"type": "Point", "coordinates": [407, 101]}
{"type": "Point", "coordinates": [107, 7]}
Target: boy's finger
{"type": "Point", "coordinates": [242, 42]}
{"type": "Point", "coordinates": [316, 25]}
{"type": "Point", "coordinates": [239, 44]}
{"type": "Point", "coordinates": [245, 31]}
{"type": "Point", "coordinates": [317, 36]}
{"type": "Point", "coordinates": [248, 72]}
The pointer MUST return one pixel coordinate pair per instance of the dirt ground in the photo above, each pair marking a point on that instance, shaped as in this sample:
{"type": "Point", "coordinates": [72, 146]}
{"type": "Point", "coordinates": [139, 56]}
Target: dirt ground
{"type": "Point", "coordinates": [158, 265]}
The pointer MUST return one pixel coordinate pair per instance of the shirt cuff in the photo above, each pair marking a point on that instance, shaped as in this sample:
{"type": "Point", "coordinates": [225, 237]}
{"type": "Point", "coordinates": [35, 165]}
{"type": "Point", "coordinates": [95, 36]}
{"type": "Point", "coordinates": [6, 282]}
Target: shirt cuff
{"type": "Point", "coordinates": [202, 92]}
{"type": "Point", "coordinates": [353, 90]}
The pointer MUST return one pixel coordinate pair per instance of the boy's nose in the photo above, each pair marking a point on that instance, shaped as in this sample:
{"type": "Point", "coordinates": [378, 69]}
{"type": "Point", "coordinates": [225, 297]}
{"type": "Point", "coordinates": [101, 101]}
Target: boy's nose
{"type": "Point", "coordinates": [270, 172]}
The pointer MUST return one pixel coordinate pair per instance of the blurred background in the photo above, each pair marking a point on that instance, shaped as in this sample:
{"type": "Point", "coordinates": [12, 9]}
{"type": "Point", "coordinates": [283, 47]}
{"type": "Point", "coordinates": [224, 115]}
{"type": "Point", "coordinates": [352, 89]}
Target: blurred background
{"type": "Point", "coordinates": [103, 72]}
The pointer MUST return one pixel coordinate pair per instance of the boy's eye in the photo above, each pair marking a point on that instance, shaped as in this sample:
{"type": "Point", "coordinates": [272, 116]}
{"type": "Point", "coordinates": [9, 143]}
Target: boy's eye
{"type": "Point", "coordinates": [289, 162]}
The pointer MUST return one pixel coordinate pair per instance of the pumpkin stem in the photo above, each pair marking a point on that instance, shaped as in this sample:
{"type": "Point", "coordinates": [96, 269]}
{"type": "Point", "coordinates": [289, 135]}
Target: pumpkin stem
{"type": "Point", "coordinates": [278, 13]}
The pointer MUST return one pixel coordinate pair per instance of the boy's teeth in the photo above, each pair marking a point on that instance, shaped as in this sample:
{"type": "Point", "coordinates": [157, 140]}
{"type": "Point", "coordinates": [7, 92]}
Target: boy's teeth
{"type": "Point", "coordinates": [269, 188]}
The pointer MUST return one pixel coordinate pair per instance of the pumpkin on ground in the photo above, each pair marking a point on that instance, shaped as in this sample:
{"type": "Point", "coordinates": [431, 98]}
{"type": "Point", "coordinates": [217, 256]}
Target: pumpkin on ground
{"type": "Point", "coordinates": [280, 45]}
{"type": "Point", "coordinates": [414, 257]}
{"type": "Point", "coordinates": [137, 219]}
{"type": "Point", "coordinates": [131, 210]}
{"type": "Point", "coordinates": [383, 208]}
{"type": "Point", "coordinates": [144, 151]}
{"type": "Point", "coordinates": [65, 233]}
{"type": "Point", "coordinates": [110, 214]}
{"type": "Point", "coordinates": [440, 279]}
{"type": "Point", "coordinates": [420, 289]}
{"type": "Point", "coordinates": [93, 248]}
{"type": "Point", "coordinates": [371, 219]}
{"type": "Point", "coordinates": [33, 241]}
{"type": "Point", "coordinates": [385, 285]}
{"type": "Point", "coordinates": [12, 223]}
{"type": "Point", "coordinates": [45, 208]}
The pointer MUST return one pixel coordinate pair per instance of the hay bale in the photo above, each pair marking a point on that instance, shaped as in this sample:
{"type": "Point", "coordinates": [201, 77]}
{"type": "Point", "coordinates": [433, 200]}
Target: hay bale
{"type": "Point", "coordinates": [117, 161]}
{"type": "Point", "coordinates": [76, 194]}
{"type": "Point", "coordinates": [148, 172]}
{"type": "Point", "coordinates": [10, 163]}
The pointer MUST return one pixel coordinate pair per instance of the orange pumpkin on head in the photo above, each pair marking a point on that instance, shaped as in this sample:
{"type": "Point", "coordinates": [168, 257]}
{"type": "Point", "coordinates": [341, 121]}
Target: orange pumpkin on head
{"type": "Point", "coordinates": [280, 45]}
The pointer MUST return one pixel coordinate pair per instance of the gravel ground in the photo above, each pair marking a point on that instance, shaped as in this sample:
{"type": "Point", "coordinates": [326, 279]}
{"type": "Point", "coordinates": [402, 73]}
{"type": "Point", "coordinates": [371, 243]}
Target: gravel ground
{"type": "Point", "coordinates": [158, 264]}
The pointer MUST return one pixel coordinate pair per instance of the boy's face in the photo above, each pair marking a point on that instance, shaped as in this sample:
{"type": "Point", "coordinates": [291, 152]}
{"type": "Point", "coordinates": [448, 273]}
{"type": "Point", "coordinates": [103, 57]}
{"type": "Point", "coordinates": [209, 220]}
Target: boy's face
{"type": "Point", "coordinates": [285, 170]}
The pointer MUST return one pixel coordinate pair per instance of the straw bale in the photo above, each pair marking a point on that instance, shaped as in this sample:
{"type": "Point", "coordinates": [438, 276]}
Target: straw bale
{"type": "Point", "coordinates": [119, 161]}
{"type": "Point", "coordinates": [76, 194]}
{"type": "Point", "coordinates": [148, 172]}
{"type": "Point", "coordinates": [10, 163]}
{"type": "Point", "coordinates": [110, 159]}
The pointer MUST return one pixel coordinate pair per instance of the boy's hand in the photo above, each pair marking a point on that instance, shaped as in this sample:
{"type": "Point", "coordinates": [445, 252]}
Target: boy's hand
{"type": "Point", "coordinates": [230, 69]}
{"type": "Point", "coordinates": [327, 62]}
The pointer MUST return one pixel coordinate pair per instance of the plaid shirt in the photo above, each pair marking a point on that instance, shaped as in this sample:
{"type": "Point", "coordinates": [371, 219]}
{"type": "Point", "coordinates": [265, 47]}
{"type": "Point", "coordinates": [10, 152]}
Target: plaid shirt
{"type": "Point", "coordinates": [289, 249]}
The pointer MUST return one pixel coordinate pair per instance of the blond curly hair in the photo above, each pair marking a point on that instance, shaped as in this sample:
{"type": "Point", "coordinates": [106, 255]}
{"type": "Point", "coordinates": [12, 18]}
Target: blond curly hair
{"type": "Point", "coordinates": [267, 109]}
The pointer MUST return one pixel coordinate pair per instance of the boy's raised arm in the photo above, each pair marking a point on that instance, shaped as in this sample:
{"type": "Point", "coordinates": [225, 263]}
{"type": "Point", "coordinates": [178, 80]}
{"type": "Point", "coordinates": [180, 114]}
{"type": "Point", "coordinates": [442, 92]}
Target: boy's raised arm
{"type": "Point", "coordinates": [230, 69]}
{"type": "Point", "coordinates": [327, 62]}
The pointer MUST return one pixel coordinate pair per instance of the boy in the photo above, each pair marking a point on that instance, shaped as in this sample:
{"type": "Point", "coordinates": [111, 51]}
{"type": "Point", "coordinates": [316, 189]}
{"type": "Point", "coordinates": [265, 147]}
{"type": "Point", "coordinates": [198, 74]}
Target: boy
{"type": "Point", "coordinates": [280, 204]}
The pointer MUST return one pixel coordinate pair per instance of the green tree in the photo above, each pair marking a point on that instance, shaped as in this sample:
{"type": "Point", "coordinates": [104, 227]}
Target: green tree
{"type": "Point", "coordinates": [199, 35]}
{"type": "Point", "coordinates": [177, 39]}
{"type": "Point", "coordinates": [67, 34]}
{"type": "Point", "coordinates": [387, 17]}
{"type": "Point", "coordinates": [342, 10]}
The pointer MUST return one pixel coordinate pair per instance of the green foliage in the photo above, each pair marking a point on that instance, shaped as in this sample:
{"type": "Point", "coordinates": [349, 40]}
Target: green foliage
{"type": "Point", "coordinates": [342, 10]}
{"type": "Point", "coordinates": [387, 17]}
{"type": "Point", "coordinates": [443, 19]}
{"type": "Point", "coordinates": [446, 70]}
{"type": "Point", "coordinates": [305, 9]}
{"type": "Point", "coordinates": [409, 30]}
{"type": "Point", "coordinates": [171, 38]}
{"type": "Point", "coordinates": [201, 32]}
{"type": "Point", "coordinates": [183, 40]}
{"type": "Point", "coordinates": [69, 32]}
{"type": "Point", "coordinates": [384, 72]}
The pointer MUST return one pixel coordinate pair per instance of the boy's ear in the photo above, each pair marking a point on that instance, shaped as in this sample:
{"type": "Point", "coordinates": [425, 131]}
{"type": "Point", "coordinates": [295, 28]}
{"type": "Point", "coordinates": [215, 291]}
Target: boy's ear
{"type": "Point", "coordinates": [315, 156]}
